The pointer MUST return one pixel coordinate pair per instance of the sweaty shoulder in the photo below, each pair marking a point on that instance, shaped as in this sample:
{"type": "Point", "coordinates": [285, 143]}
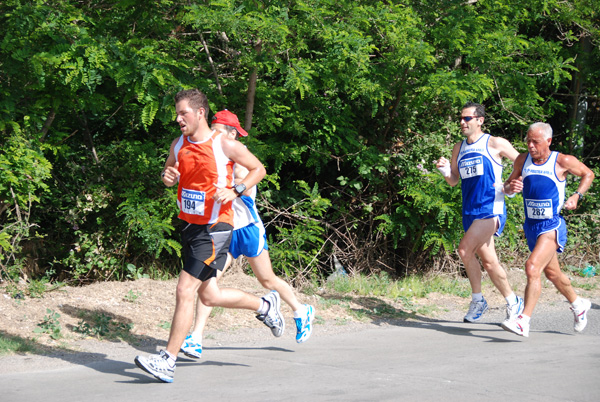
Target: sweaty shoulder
{"type": "Point", "coordinates": [227, 142]}
{"type": "Point", "coordinates": [231, 147]}
{"type": "Point", "coordinates": [565, 159]}
{"type": "Point", "coordinates": [565, 163]}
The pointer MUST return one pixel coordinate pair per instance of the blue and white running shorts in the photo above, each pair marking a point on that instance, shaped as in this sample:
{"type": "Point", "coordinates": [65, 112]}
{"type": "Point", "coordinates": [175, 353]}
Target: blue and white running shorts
{"type": "Point", "coordinates": [249, 241]}
{"type": "Point", "coordinates": [469, 219]}
{"type": "Point", "coordinates": [532, 231]}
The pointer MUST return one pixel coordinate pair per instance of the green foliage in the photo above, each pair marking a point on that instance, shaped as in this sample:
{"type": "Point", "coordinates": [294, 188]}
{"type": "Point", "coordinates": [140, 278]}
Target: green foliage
{"type": "Point", "coordinates": [298, 242]}
{"type": "Point", "coordinates": [354, 105]}
{"type": "Point", "coordinates": [135, 272]}
{"type": "Point", "coordinates": [102, 326]}
{"type": "Point", "coordinates": [583, 223]}
{"type": "Point", "coordinates": [24, 171]}
{"type": "Point", "coordinates": [50, 325]}
{"type": "Point", "coordinates": [131, 296]}
{"type": "Point", "coordinates": [165, 325]}
{"type": "Point", "coordinates": [36, 288]}
{"type": "Point", "coordinates": [14, 292]}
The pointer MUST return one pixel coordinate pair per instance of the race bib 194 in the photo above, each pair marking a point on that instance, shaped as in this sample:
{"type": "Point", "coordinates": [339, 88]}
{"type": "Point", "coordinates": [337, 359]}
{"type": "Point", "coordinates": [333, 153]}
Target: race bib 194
{"type": "Point", "coordinates": [471, 167]}
{"type": "Point", "coordinates": [539, 209]}
{"type": "Point", "coordinates": [192, 202]}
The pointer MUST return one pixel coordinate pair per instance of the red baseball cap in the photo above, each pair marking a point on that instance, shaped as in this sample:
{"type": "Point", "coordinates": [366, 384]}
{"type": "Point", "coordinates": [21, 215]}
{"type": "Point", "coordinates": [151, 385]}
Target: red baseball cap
{"type": "Point", "coordinates": [229, 119]}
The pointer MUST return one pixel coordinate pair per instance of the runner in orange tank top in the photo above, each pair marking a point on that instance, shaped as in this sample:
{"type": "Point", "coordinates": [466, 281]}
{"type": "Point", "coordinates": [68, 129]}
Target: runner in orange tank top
{"type": "Point", "coordinates": [200, 162]}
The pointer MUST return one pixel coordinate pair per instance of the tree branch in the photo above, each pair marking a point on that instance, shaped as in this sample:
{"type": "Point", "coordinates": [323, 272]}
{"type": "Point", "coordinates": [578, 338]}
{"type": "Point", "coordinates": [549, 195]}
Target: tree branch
{"type": "Point", "coordinates": [212, 64]}
{"type": "Point", "coordinates": [252, 90]}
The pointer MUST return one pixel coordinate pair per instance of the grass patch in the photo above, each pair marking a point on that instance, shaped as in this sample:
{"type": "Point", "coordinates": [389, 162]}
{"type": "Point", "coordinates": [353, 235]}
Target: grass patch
{"type": "Point", "coordinates": [216, 311]}
{"type": "Point", "coordinates": [15, 344]}
{"type": "Point", "coordinates": [368, 292]}
{"type": "Point", "coordinates": [584, 285]}
{"type": "Point", "coordinates": [342, 301]}
{"type": "Point", "coordinates": [319, 320]}
{"type": "Point", "coordinates": [429, 310]}
{"type": "Point", "coordinates": [382, 310]}
{"type": "Point", "coordinates": [382, 285]}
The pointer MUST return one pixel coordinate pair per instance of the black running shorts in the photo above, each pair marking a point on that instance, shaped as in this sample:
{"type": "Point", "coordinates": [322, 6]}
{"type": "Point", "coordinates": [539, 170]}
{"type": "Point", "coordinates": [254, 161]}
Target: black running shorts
{"type": "Point", "coordinates": [205, 249]}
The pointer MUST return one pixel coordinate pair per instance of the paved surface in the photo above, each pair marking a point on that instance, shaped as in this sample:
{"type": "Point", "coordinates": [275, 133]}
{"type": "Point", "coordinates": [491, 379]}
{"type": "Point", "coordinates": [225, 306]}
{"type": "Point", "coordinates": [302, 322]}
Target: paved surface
{"type": "Point", "coordinates": [408, 361]}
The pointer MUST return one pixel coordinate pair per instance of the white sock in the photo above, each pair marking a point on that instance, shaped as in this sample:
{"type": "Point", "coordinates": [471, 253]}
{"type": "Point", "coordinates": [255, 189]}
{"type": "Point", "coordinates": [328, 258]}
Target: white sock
{"type": "Point", "coordinates": [477, 296]}
{"type": "Point", "coordinates": [525, 318]}
{"type": "Point", "coordinates": [197, 337]}
{"type": "Point", "coordinates": [577, 303]}
{"type": "Point", "coordinates": [264, 307]}
{"type": "Point", "coordinates": [511, 299]}
{"type": "Point", "coordinates": [301, 312]}
{"type": "Point", "coordinates": [171, 360]}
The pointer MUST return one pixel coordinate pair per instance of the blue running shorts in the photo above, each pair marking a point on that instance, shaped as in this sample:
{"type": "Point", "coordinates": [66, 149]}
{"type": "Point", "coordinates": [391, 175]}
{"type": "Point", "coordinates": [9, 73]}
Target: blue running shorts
{"type": "Point", "coordinates": [532, 231]}
{"type": "Point", "coordinates": [469, 219]}
{"type": "Point", "coordinates": [249, 241]}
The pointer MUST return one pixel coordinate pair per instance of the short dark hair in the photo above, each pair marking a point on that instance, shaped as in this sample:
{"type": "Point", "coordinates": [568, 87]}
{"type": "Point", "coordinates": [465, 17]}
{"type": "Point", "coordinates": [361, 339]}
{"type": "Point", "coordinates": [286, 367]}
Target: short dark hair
{"type": "Point", "coordinates": [479, 109]}
{"type": "Point", "coordinates": [196, 99]}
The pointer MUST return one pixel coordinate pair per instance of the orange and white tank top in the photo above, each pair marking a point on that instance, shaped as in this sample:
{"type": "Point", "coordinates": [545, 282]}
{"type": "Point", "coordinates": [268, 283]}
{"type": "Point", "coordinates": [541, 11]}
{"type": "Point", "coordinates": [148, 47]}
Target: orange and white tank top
{"type": "Point", "coordinates": [202, 165]}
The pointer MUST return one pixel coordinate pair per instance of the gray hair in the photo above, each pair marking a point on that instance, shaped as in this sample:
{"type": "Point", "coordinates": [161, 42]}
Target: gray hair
{"type": "Point", "coordinates": [544, 128]}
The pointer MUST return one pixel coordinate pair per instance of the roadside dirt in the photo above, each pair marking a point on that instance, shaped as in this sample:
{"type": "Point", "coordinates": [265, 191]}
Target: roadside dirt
{"type": "Point", "coordinates": [137, 316]}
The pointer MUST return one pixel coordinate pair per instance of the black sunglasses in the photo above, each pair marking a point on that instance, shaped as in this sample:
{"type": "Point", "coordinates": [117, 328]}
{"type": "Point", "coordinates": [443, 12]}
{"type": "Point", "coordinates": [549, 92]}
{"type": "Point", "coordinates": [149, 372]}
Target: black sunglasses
{"type": "Point", "coordinates": [468, 118]}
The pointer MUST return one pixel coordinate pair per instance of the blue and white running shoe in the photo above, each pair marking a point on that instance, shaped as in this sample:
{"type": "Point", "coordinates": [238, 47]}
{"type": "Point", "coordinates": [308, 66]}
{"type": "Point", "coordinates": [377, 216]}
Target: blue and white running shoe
{"type": "Point", "coordinates": [515, 310]}
{"type": "Point", "coordinates": [304, 324]}
{"type": "Point", "coordinates": [476, 310]}
{"type": "Point", "coordinates": [191, 348]}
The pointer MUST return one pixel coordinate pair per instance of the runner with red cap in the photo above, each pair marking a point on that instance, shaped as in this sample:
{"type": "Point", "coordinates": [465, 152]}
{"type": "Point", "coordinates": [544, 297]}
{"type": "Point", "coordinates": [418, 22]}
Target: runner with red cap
{"type": "Point", "coordinates": [249, 239]}
{"type": "Point", "coordinates": [227, 118]}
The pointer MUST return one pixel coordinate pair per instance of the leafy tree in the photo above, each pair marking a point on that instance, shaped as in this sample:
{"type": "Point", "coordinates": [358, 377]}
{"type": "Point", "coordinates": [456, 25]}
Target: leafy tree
{"type": "Point", "coordinates": [347, 104]}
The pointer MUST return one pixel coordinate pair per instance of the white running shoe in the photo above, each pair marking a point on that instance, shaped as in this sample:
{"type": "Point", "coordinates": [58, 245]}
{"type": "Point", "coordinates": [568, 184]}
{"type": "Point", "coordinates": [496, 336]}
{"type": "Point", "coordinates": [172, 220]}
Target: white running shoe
{"type": "Point", "coordinates": [304, 324]}
{"type": "Point", "coordinates": [157, 365]}
{"type": "Point", "coordinates": [191, 348]}
{"type": "Point", "coordinates": [515, 310]}
{"type": "Point", "coordinates": [273, 318]}
{"type": "Point", "coordinates": [581, 315]}
{"type": "Point", "coordinates": [517, 326]}
{"type": "Point", "coordinates": [476, 310]}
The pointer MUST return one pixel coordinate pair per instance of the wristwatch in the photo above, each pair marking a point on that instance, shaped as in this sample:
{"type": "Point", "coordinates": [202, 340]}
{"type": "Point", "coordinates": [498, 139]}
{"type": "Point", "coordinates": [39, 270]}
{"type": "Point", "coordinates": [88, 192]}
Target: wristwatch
{"type": "Point", "coordinates": [579, 194]}
{"type": "Point", "coordinates": [239, 189]}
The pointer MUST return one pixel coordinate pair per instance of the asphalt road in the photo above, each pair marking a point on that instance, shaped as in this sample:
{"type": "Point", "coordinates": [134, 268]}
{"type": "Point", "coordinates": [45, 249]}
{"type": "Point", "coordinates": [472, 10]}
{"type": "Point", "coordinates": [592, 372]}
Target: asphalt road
{"type": "Point", "coordinates": [405, 361]}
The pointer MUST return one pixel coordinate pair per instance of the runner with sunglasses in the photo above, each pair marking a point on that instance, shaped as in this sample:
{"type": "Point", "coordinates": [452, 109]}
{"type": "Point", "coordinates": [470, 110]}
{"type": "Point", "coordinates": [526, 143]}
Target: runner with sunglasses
{"type": "Point", "coordinates": [477, 162]}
